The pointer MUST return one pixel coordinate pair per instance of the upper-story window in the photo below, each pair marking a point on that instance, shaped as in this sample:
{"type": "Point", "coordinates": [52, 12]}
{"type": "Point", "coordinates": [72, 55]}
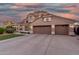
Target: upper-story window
{"type": "Point", "coordinates": [47, 19]}
{"type": "Point", "coordinates": [31, 18]}
{"type": "Point", "coordinates": [27, 21]}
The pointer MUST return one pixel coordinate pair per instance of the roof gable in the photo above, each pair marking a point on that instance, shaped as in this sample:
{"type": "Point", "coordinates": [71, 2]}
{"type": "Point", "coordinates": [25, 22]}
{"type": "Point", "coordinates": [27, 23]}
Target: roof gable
{"type": "Point", "coordinates": [43, 14]}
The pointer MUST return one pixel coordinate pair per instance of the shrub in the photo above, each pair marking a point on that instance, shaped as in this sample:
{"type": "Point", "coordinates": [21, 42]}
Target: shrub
{"type": "Point", "coordinates": [1, 30]}
{"type": "Point", "coordinates": [10, 29]}
{"type": "Point", "coordinates": [76, 30]}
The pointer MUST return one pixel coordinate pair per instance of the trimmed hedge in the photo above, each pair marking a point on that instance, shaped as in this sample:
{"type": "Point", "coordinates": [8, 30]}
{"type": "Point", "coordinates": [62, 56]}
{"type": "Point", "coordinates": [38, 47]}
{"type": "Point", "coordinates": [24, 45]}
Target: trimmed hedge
{"type": "Point", "coordinates": [10, 29]}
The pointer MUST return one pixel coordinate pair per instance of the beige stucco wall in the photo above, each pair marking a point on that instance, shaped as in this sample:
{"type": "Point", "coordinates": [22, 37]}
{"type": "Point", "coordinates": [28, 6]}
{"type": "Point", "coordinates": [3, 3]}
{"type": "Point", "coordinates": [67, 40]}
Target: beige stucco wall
{"type": "Point", "coordinates": [55, 21]}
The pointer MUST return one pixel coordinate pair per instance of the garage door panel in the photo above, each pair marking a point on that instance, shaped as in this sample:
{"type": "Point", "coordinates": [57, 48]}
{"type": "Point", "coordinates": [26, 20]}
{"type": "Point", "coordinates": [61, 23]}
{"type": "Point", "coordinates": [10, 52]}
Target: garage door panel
{"type": "Point", "coordinates": [61, 29]}
{"type": "Point", "coordinates": [42, 29]}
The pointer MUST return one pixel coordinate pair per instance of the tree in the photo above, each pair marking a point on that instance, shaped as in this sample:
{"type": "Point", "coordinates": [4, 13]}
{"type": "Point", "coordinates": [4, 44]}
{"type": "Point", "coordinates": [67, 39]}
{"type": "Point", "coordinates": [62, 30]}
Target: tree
{"type": "Point", "coordinates": [10, 29]}
{"type": "Point", "coordinates": [8, 23]}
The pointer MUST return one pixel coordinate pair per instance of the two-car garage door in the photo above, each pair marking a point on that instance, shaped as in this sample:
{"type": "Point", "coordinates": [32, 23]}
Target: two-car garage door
{"type": "Point", "coordinates": [46, 29]}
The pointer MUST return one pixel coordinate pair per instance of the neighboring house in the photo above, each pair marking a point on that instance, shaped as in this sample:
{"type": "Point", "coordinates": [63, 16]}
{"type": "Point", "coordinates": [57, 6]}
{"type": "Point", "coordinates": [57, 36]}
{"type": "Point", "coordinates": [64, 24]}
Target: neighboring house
{"type": "Point", "coordinates": [21, 26]}
{"type": "Point", "coordinates": [42, 22]}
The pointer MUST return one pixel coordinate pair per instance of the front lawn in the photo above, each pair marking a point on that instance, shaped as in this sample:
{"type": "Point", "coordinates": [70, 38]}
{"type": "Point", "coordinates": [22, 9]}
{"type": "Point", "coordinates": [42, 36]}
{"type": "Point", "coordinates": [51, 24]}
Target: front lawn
{"type": "Point", "coordinates": [8, 36]}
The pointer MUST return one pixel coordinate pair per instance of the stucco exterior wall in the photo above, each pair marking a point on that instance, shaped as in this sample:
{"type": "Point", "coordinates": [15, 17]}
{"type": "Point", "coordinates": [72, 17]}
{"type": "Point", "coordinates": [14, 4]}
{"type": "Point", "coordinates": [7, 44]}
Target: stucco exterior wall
{"type": "Point", "coordinates": [55, 20]}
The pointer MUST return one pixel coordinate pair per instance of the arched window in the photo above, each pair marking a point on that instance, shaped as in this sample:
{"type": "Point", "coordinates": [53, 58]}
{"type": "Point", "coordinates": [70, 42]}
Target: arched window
{"type": "Point", "coordinates": [31, 18]}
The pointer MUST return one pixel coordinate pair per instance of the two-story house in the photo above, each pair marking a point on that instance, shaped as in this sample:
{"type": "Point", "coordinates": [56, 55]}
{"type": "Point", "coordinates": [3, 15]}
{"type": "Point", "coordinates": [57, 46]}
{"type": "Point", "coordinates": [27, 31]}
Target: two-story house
{"type": "Point", "coordinates": [42, 22]}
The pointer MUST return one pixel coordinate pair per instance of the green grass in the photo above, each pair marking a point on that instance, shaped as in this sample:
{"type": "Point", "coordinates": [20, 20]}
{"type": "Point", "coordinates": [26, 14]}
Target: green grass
{"type": "Point", "coordinates": [8, 36]}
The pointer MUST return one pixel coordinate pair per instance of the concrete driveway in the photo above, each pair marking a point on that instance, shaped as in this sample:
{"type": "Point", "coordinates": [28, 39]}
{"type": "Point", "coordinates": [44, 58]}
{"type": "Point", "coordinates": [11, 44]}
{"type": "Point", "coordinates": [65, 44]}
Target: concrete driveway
{"type": "Point", "coordinates": [36, 44]}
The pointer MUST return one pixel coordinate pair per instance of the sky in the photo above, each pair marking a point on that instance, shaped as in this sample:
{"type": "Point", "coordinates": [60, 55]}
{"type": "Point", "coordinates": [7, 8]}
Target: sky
{"type": "Point", "coordinates": [18, 11]}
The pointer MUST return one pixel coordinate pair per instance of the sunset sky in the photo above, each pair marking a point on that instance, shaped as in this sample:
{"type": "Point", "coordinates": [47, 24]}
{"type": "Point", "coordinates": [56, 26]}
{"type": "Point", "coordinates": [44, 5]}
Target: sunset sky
{"type": "Point", "coordinates": [18, 11]}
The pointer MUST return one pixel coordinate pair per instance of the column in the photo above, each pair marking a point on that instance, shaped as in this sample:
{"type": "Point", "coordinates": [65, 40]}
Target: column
{"type": "Point", "coordinates": [53, 29]}
{"type": "Point", "coordinates": [71, 29]}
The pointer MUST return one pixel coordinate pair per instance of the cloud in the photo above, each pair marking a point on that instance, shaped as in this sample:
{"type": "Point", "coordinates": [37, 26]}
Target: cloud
{"type": "Point", "coordinates": [67, 15]}
{"type": "Point", "coordinates": [73, 8]}
{"type": "Point", "coordinates": [22, 15]}
{"type": "Point", "coordinates": [25, 5]}
{"type": "Point", "coordinates": [18, 11]}
{"type": "Point", "coordinates": [4, 18]}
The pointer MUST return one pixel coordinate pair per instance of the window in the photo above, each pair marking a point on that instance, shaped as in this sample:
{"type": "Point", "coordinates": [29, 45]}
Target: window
{"type": "Point", "coordinates": [47, 19]}
{"type": "Point", "coordinates": [31, 18]}
{"type": "Point", "coordinates": [27, 21]}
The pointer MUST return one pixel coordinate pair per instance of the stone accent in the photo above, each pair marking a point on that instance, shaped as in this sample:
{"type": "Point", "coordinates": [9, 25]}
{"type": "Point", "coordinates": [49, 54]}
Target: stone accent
{"type": "Point", "coordinates": [71, 29]}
